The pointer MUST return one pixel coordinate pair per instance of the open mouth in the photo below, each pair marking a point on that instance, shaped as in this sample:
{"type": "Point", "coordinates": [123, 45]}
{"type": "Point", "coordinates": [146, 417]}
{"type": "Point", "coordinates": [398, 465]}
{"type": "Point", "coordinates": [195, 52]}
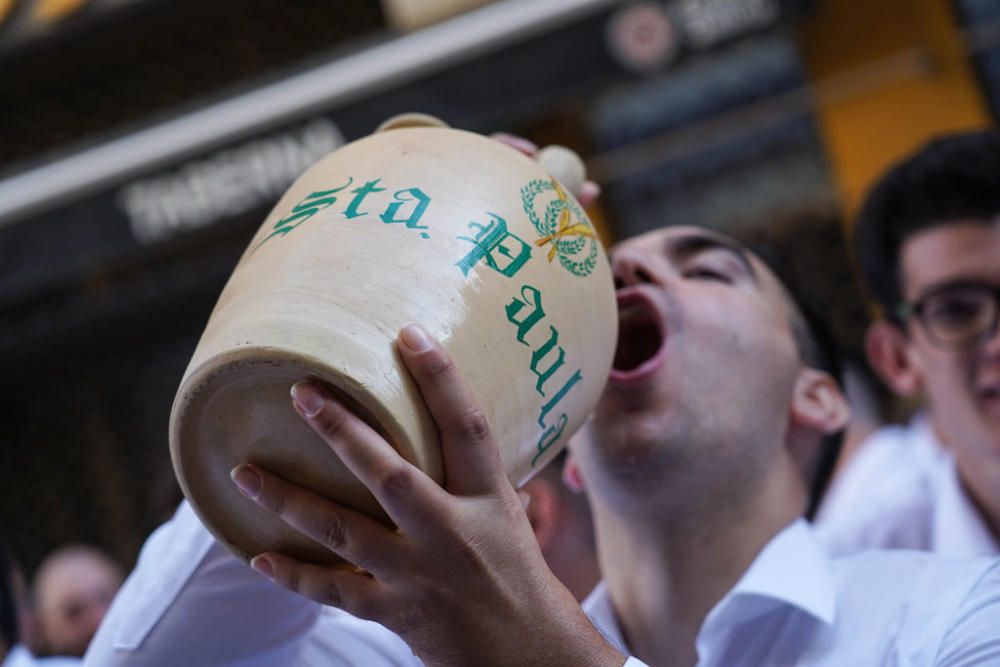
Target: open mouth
{"type": "Point", "coordinates": [641, 338]}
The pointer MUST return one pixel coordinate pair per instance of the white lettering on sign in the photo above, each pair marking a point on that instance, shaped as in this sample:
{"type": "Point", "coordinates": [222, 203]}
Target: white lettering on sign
{"type": "Point", "coordinates": [708, 22]}
{"type": "Point", "coordinates": [226, 183]}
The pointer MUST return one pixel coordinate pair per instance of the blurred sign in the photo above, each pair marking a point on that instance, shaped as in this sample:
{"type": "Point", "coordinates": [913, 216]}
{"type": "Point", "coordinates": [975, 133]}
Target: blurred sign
{"type": "Point", "coordinates": [647, 35]}
{"type": "Point", "coordinates": [226, 183]}
{"type": "Point", "coordinates": [641, 36]}
{"type": "Point", "coordinates": [708, 22]}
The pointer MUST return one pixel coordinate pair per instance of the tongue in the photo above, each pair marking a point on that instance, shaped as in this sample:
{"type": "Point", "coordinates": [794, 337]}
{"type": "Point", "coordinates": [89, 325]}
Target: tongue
{"type": "Point", "coordinates": [637, 343]}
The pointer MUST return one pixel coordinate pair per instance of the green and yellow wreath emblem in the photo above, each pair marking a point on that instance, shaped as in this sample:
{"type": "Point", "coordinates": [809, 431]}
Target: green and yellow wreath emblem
{"type": "Point", "coordinates": [561, 225]}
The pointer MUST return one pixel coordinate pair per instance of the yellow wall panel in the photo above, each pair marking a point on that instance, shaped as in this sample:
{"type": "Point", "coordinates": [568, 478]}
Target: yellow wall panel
{"type": "Point", "coordinates": [887, 76]}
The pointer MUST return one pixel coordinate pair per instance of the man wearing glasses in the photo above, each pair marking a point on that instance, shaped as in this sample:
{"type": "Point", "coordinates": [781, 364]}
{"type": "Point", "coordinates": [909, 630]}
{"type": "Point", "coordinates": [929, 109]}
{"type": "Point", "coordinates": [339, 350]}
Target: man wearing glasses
{"type": "Point", "coordinates": [928, 245]}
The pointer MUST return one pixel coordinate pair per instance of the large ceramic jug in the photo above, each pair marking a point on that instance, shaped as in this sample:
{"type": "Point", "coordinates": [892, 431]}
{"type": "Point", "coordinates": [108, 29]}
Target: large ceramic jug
{"type": "Point", "coordinates": [455, 231]}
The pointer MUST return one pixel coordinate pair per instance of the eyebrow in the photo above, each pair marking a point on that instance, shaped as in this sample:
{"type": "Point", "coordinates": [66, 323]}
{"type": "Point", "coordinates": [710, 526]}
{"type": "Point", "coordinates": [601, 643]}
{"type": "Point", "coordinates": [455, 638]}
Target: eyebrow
{"type": "Point", "coordinates": [685, 247]}
{"type": "Point", "coordinates": [954, 283]}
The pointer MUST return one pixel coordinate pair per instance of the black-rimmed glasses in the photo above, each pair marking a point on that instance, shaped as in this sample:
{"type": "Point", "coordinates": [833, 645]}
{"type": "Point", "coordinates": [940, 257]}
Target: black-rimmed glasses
{"type": "Point", "coordinates": [956, 315]}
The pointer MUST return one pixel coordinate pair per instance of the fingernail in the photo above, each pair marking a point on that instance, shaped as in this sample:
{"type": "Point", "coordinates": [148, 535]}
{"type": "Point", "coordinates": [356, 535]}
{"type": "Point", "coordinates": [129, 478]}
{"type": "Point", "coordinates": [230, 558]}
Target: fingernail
{"type": "Point", "coordinates": [522, 144]}
{"type": "Point", "coordinates": [415, 338]}
{"type": "Point", "coordinates": [247, 481]}
{"type": "Point", "coordinates": [591, 189]}
{"type": "Point", "coordinates": [308, 399]}
{"type": "Point", "coordinates": [263, 566]}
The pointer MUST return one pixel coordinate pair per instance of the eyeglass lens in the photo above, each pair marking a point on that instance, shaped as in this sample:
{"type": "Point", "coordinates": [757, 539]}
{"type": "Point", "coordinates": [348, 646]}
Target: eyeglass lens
{"type": "Point", "coordinates": [960, 314]}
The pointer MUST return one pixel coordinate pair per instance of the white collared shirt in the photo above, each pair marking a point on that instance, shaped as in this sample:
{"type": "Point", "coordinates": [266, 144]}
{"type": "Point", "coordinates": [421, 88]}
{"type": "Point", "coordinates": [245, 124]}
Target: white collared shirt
{"type": "Point", "coordinates": [19, 656]}
{"type": "Point", "coordinates": [902, 491]}
{"type": "Point", "coordinates": [190, 602]}
{"type": "Point", "coordinates": [796, 605]}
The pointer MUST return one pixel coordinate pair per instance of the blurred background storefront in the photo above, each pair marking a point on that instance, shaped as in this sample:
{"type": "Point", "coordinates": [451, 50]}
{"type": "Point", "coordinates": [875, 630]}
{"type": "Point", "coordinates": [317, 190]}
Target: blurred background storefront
{"type": "Point", "coordinates": [143, 141]}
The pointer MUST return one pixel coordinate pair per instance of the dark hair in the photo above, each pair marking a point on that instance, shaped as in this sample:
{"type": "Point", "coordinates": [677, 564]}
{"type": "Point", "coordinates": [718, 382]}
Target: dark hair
{"type": "Point", "coordinates": [8, 609]}
{"type": "Point", "coordinates": [955, 178]}
{"type": "Point", "coordinates": [817, 345]}
{"type": "Point", "coordinates": [817, 348]}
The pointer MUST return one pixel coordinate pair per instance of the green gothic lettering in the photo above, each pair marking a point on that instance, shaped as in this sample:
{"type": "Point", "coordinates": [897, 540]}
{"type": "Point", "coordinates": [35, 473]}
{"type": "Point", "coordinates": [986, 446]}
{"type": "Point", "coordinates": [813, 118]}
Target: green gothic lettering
{"type": "Point", "coordinates": [533, 298]}
{"type": "Point", "coordinates": [502, 251]}
{"type": "Point", "coordinates": [549, 438]}
{"type": "Point", "coordinates": [412, 195]}
{"type": "Point", "coordinates": [547, 408]}
{"type": "Point", "coordinates": [305, 209]}
{"type": "Point", "coordinates": [359, 194]}
{"type": "Point", "coordinates": [538, 355]}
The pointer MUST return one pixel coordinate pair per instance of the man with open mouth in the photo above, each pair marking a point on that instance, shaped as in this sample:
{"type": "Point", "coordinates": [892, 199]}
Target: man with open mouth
{"type": "Point", "coordinates": [691, 464]}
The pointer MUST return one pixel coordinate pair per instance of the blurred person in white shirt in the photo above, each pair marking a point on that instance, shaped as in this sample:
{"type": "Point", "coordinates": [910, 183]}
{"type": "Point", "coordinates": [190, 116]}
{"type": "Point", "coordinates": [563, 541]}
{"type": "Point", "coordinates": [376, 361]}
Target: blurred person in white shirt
{"type": "Point", "coordinates": [927, 241]}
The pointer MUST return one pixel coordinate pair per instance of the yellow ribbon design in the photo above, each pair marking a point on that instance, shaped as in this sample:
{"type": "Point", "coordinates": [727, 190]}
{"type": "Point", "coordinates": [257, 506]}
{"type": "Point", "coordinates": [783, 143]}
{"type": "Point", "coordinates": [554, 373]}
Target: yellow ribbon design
{"type": "Point", "coordinates": [564, 228]}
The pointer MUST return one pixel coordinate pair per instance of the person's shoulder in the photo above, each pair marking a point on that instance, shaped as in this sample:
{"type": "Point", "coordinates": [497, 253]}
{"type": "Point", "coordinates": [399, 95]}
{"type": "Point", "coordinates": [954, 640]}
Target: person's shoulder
{"type": "Point", "coordinates": [890, 460]}
{"type": "Point", "coordinates": [902, 583]}
{"type": "Point", "coordinates": [910, 565]}
{"type": "Point", "coordinates": [973, 629]}
{"type": "Point", "coordinates": [918, 597]}
{"type": "Point", "coordinates": [884, 498]}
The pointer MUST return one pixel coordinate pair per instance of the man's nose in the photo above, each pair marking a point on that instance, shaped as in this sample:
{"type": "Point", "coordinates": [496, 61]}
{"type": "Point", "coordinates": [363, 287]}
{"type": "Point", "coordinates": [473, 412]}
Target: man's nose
{"type": "Point", "coordinates": [631, 268]}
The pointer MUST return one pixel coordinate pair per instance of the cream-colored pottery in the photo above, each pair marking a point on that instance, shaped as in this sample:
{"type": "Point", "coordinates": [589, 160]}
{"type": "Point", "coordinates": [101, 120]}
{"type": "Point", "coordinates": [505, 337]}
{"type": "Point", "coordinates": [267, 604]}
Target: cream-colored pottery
{"type": "Point", "coordinates": [446, 228]}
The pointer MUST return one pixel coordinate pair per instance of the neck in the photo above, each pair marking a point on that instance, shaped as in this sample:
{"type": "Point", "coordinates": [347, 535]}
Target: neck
{"type": "Point", "coordinates": [667, 569]}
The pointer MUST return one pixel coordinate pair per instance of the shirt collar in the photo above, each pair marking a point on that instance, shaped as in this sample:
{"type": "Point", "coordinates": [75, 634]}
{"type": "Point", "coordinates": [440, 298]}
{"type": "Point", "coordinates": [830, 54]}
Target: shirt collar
{"type": "Point", "coordinates": [791, 571]}
{"type": "Point", "coordinates": [958, 529]}
{"type": "Point", "coordinates": [598, 607]}
{"type": "Point", "coordinates": [18, 656]}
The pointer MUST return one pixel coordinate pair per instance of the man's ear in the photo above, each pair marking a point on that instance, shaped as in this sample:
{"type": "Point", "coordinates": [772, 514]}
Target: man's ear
{"type": "Point", "coordinates": [891, 357]}
{"type": "Point", "coordinates": [571, 476]}
{"type": "Point", "coordinates": [818, 404]}
{"type": "Point", "coordinates": [543, 510]}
